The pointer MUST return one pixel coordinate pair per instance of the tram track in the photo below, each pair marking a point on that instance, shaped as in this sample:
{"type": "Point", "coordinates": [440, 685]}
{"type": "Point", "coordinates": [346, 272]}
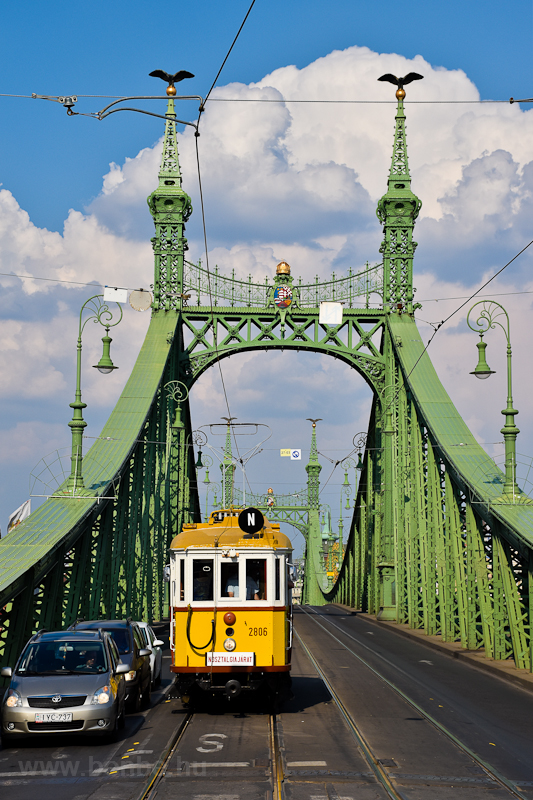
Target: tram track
{"type": "Point", "coordinates": [159, 771]}
{"type": "Point", "coordinates": [382, 774]}
{"type": "Point", "coordinates": [163, 767]}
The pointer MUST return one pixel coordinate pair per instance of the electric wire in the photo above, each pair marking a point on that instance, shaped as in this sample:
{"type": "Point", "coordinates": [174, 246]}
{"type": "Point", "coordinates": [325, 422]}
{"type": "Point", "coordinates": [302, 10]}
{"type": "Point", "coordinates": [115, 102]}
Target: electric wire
{"type": "Point", "coordinates": [283, 100]}
{"type": "Point", "coordinates": [229, 51]}
{"type": "Point", "coordinates": [488, 768]}
{"type": "Point", "coordinates": [352, 102]}
{"type": "Point", "coordinates": [197, 135]}
{"type": "Point", "coordinates": [437, 327]}
{"type": "Point", "coordinates": [444, 321]}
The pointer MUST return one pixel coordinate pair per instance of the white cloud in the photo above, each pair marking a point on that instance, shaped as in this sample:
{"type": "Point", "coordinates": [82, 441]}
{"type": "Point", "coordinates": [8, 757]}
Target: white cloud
{"type": "Point", "coordinates": [297, 182]}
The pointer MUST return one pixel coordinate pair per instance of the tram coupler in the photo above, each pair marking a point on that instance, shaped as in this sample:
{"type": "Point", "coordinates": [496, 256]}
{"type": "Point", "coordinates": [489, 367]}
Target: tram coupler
{"type": "Point", "coordinates": [233, 688]}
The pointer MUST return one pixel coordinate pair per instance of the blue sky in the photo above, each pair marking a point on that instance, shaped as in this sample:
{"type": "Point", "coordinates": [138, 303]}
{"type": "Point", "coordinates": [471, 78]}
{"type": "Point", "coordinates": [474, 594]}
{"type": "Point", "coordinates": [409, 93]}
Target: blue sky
{"type": "Point", "coordinates": [66, 211]}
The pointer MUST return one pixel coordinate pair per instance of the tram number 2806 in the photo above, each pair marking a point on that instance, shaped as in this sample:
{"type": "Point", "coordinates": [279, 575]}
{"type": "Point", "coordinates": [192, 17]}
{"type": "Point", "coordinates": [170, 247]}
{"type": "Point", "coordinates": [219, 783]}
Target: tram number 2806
{"type": "Point", "coordinates": [257, 632]}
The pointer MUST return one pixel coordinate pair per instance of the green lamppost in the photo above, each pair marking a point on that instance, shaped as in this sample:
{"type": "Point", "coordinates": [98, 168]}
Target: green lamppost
{"type": "Point", "coordinates": [102, 315]}
{"type": "Point", "coordinates": [489, 316]}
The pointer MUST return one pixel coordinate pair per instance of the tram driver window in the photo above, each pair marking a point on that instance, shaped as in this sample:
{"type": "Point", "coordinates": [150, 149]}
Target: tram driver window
{"type": "Point", "coordinates": [256, 579]}
{"type": "Point", "coordinates": [202, 579]}
{"type": "Point", "coordinates": [229, 579]}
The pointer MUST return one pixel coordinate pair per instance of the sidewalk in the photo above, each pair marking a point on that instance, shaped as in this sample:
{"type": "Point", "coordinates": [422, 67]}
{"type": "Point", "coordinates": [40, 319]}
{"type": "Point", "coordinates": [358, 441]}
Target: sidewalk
{"type": "Point", "coordinates": [502, 669]}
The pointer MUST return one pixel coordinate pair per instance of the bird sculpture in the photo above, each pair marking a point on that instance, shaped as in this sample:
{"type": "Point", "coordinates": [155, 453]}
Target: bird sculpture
{"type": "Point", "coordinates": [401, 82]}
{"type": "Point", "coordinates": [314, 421]}
{"type": "Point", "coordinates": [171, 79]}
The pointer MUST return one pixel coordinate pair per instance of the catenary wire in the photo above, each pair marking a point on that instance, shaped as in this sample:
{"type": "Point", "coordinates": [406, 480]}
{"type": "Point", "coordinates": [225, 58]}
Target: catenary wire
{"type": "Point", "coordinates": [229, 51]}
{"type": "Point", "coordinates": [205, 228]}
{"type": "Point", "coordinates": [436, 330]}
{"type": "Point", "coordinates": [351, 102]}
{"type": "Point", "coordinates": [273, 100]}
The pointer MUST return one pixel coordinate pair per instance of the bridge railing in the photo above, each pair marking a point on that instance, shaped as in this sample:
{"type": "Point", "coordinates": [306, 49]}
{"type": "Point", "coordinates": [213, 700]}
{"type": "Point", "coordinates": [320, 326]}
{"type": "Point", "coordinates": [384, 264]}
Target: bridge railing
{"type": "Point", "coordinates": [213, 287]}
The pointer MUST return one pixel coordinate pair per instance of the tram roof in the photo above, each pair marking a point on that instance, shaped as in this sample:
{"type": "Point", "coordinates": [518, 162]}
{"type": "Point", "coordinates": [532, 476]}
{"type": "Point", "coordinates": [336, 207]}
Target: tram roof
{"type": "Point", "coordinates": [226, 533]}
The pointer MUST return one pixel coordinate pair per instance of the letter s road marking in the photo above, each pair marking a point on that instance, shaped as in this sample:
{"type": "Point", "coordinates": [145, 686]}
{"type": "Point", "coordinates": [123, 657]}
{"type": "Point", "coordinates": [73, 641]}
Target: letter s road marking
{"type": "Point", "coordinates": [207, 738]}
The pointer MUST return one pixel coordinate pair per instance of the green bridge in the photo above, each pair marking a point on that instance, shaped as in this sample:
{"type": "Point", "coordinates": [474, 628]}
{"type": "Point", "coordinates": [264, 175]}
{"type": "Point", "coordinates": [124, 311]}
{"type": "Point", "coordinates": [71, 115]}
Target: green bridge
{"type": "Point", "coordinates": [440, 539]}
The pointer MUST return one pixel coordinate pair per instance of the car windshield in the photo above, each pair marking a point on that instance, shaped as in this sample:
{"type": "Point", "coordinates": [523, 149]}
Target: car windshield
{"type": "Point", "coordinates": [122, 639]}
{"type": "Point", "coordinates": [63, 657]}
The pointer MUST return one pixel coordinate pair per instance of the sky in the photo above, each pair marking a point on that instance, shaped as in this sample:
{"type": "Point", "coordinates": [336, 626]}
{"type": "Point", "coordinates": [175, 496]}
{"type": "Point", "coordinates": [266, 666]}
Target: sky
{"type": "Point", "coordinates": [281, 180]}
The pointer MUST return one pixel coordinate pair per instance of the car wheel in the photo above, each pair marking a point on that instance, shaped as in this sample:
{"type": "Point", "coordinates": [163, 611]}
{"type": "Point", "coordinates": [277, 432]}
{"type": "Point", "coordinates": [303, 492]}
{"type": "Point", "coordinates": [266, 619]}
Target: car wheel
{"type": "Point", "coordinates": [147, 696]}
{"type": "Point", "coordinates": [122, 717]}
{"type": "Point", "coordinates": [157, 681]}
{"type": "Point", "coordinates": [135, 701]}
{"type": "Point", "coordinates": [112, 736]}
{"type": "Point", "coordinates": [9, 740]}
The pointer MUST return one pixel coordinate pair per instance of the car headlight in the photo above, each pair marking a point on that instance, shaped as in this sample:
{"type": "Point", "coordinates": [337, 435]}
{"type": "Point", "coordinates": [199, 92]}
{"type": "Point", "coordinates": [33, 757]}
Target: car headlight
{"type": "Point", "coordinates": [230, 644]}
{"type": "Point", "coordinates": [101, 696]}
{"type": "Point", "coordinates": [13, 698]}
{"type": "Point", "coordinates": [130, 676]}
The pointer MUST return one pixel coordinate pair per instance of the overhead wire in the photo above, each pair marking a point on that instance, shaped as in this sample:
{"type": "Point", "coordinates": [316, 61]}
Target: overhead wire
{"type": "Point", "coordinates": [286, 100]}
{"type": "Point", "coordinates": [437, 327]}
{"type": "Point", "coordinates": [351, 102]}
{"type": "Point", "coordinates": [202, 206]}
{"type": "Point", "coordinates": [229, 51]}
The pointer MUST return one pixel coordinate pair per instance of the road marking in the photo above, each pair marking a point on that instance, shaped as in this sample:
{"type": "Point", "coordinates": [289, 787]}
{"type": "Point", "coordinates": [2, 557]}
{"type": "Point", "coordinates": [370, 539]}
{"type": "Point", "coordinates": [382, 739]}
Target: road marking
{"type": "Point", "coordinates": [307, 763]}
{"type": "Point", "coordinates": [207, 738]}
{"type": "Point", "coordinates": [122, 768]}
{"type": "Point", "coordinates": [216, 797]}
{"type": "Point", "coordinates": [423, 661]}
{"type": "Point", "coordinates": [220, 764]}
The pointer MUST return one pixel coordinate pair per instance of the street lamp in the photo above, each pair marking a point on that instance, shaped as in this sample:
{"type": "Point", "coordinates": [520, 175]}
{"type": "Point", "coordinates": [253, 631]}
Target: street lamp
{"type": "Point", "coordinates": [483, 320]}
{"type": "Point", "coordinates": [102, 315]}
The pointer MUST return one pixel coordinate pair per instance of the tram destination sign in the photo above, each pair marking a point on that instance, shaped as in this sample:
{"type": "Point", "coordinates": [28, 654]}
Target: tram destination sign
{"type": "Point", "coordinates": [251, 520]}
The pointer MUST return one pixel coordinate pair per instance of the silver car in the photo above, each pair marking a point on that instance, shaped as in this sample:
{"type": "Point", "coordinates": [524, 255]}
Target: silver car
{"type": "Point", "coordinates": [154, 644]}
{"type": "Point", "coordinates": [65, 682]}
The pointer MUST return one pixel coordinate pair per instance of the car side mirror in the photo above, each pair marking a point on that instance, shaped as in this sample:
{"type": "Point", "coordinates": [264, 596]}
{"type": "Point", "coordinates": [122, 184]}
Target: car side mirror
{"type": "Point", "coordinates": [158, 643]}
{"type": "Point", "coordinates": [145, 652]}
{"type": "Point", "coordinates": [122, 669]}
{"type": "Point", "coordinates": [6, 672]}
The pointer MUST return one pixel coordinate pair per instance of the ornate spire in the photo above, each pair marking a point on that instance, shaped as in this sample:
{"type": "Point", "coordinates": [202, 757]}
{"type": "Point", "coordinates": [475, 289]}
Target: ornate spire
{"type": "Point", "coordinates": [170, 167]}
{"type": "Point", "coordinates": [227, 468]}
{"type": "Point", "coordinates": [170, 207]}
{"type": "Point", "coordinates": [313, 469]}
{"type": "Point", "coordinates": [397, 211]}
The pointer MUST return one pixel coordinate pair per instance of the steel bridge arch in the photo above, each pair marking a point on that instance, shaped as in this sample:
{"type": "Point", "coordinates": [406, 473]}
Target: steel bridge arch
{"type": "Point", "coordinates": [358, 352]}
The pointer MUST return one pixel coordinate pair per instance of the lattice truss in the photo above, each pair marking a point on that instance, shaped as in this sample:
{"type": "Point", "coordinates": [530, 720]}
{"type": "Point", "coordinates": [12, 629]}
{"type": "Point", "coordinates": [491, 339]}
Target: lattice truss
{"type": "Point", "coordinates": [292, 509]}
{"type": "Point", "coordinates": [457, 575]}
{"type": "Point", "coordinates": [209, 335]}
{"type": "Point", "coordinates": [113, 565]}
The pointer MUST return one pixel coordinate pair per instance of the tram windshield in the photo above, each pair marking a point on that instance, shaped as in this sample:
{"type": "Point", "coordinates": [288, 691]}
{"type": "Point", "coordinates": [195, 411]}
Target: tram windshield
{"type": "Point", "coordinates": [256, 579]}
{"type": "Point", "coordinates": [229, 580]}
{"type": "Point", "coordinates": [202, 579]}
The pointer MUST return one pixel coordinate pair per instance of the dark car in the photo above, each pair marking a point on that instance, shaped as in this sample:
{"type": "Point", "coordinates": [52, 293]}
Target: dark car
{"type": "Point", "coordinates": [132, 650]}
{"type": "Point", "coordinates": [65, 682]}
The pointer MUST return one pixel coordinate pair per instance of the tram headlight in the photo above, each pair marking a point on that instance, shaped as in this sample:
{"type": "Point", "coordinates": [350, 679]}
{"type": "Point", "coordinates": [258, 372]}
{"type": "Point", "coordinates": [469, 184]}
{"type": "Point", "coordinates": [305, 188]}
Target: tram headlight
{"type": "Point", "coordinates": [230, 645]}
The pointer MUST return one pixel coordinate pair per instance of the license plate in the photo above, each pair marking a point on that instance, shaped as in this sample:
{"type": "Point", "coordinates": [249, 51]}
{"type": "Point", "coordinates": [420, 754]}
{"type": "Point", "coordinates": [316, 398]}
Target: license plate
{"type": "Point", "coordinates": [230, 659]}
{"type": "Point", "coordinates": [54, 716]}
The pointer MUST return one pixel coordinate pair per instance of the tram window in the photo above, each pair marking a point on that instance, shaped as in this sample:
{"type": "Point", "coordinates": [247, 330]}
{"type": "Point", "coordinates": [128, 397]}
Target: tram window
{"type": "Point", "coordinates": [202, 579]}
{"type": "Point", "coordinates": [229, 579]}
{"type": "Point", "coordinates": [256, 579]}
{"type": "Point", "coordinates": [182, 579]}
{"type": "Point", "coordinates": [278, 580]}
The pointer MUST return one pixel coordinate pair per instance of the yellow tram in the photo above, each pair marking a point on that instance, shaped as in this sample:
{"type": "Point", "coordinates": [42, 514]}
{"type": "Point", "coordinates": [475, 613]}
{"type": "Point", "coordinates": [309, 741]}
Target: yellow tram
{"type": "Point", "coordinates": [231, 608]}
